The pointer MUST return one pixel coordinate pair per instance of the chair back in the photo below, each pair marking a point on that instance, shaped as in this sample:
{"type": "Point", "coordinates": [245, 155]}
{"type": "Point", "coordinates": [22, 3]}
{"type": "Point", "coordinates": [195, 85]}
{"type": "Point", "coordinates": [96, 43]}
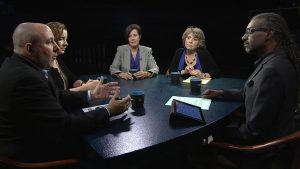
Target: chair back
{"type": "Point", "coordinates": [292, 140]}
{"type": "Point", "coordinates": [6, 163]}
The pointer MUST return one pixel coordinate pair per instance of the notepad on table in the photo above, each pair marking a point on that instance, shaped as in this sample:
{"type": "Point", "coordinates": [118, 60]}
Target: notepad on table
{"type": "Point", "coordinates": [200, 102]}
{"type": "Point", "coordinates": [203, 81]}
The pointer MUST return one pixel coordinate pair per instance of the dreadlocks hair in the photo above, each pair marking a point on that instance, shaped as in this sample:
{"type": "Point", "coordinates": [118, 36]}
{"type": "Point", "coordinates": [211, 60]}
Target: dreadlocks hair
{"type": "Point", "coordinates": [282, 35]}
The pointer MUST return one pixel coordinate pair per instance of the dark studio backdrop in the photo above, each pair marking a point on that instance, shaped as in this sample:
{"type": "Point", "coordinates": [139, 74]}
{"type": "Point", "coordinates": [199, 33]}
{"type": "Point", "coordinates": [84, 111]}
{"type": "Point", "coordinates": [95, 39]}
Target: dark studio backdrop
{"type": "Point", "coordinates": [97, 28]}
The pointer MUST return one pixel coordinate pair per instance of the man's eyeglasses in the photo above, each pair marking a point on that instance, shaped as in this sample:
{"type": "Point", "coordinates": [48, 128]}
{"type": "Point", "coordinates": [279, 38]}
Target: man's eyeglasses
{"type": "Point", "coordinates": [252, 30]}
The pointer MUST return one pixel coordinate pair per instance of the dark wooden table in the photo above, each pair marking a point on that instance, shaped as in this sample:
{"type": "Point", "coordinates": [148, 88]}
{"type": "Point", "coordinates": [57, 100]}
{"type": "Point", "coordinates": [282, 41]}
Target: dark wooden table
{"type": "Point", "coordinates": [150, 129]}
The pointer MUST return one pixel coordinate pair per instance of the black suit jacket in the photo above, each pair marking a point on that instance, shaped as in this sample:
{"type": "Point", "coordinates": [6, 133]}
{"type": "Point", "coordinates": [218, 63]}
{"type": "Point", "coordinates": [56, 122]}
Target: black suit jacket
{"type": "Point", "coordinates": [269, 96]}
{"type": "Point", "coordinates": [207, 62]}
{"type": "Point", "coordinates": [33, 124]}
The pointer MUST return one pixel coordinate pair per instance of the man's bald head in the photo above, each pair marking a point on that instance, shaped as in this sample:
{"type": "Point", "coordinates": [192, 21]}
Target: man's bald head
{"type": "Point", "coordinates": [34, 41]}
{"type": "Point", "coordinates": [27, 33]}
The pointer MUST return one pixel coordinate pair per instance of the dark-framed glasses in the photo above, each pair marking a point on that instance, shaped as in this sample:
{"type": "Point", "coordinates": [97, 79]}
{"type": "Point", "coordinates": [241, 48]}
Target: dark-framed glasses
{"type": "Point", "coordinates": [252, 30]}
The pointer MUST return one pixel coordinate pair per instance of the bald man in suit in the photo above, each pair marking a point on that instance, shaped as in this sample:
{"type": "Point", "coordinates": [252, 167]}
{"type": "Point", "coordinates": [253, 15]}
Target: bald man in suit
{"type": "Point", "coordinates": [33, 124]}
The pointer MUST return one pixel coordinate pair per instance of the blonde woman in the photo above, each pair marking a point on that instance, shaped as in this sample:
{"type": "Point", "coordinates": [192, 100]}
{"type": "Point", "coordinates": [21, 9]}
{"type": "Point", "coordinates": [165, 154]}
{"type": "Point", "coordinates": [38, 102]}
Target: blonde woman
{"type": "Point", "coordinates": [62, 76]}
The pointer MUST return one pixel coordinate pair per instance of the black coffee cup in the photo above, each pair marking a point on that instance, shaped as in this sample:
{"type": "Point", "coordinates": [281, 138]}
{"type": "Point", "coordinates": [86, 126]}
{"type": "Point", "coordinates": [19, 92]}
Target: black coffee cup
{"type": "Point", "coordinates": [195, 84]}
{"type": "Point", "coordinates": [137, 97]}
{"type": "Point", "coordinates": [175, 77]}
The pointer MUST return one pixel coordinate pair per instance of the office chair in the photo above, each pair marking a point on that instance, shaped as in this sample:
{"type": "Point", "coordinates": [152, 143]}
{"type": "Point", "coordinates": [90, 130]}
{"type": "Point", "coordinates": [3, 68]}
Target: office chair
{"type": "Point", "coordinates": [6, 163]}
{"type": "Point", "coordinates": [292, 139]}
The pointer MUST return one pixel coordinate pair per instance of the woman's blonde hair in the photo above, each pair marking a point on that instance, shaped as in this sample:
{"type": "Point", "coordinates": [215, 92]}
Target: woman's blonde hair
{"type": "Point", "coordinates": [57, 29]}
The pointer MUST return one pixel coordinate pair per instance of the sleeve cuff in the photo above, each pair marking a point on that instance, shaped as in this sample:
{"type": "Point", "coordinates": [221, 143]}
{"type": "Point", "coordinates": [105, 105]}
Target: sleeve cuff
{"type": "Point", "coordinates": [89, 96]}
{"type": "Point", "coordinates": [106, 107]}
{"type": "Point", "coordinates": [151, 73]}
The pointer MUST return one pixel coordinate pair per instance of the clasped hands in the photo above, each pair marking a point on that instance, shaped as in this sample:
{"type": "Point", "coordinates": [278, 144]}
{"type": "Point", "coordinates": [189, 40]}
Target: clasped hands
{"type": "Point", "coordinates": [194, 72]}
{"type": "Point", "coordinates": [138, 75]}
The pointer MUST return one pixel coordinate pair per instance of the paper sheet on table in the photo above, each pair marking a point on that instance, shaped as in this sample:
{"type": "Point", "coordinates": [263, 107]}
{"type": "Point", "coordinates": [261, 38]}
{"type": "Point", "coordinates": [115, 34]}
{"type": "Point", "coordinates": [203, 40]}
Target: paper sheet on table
{"type": "Point", "coordinates": [203, 81]}
{"type": "Point", "coordinates": [200, 102]}
{"type": "Point", "coordinates": [87, 109]}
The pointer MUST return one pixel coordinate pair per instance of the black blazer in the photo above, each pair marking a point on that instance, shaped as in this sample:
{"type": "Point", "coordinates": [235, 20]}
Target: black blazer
{"type": "Point", "coordinates": [207, 63]}
{"type": "Point", "coordinates": [269, 95]}
{"type": "Point", "coordinates": [57, 78]}
{"type": "Point", "coordinates": [33, 124]}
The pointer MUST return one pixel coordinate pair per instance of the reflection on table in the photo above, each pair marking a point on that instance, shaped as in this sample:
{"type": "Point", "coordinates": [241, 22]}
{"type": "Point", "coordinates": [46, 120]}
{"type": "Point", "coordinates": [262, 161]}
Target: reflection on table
{"type": "Point", "coordinates": [150, 127]}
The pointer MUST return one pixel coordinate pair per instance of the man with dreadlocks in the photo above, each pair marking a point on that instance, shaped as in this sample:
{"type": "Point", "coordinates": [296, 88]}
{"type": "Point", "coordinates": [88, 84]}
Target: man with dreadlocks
{"type": "Point", "coordinates": [270, 93]}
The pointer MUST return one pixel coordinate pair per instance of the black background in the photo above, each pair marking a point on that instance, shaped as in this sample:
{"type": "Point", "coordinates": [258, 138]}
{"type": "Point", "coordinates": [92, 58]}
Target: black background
{"type": "Point", "coordinates": [96, 28]}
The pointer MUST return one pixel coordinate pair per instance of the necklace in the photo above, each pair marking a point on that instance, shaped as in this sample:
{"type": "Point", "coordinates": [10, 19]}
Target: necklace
{"type": "Point", "coordinates": [190, 61]}
{"type": "Point", "coordinates": [61, 73]}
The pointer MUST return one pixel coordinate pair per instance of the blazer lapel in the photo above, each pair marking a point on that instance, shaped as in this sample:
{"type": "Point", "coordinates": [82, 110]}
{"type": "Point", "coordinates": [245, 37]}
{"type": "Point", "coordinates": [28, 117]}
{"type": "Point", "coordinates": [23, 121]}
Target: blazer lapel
{"type": "Point", "coordinates": [49, 80]}
{"type": "Point", "coordinates": [52, 85]}
{"type": "Point", "coordinates": [142, 58]}
{"type": "Point", "coordinates": [127, 58]}
{"type": "Point", "coordinates": [260, 66]}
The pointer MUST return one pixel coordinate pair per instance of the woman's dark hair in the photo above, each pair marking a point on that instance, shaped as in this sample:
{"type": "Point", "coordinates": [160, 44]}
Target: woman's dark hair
{"type": "Point", "coordinates": [129, 28]}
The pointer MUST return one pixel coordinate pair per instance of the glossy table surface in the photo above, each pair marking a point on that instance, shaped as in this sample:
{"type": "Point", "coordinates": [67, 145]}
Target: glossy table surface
{"type": "Point", "coordinates": [151, 126]}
